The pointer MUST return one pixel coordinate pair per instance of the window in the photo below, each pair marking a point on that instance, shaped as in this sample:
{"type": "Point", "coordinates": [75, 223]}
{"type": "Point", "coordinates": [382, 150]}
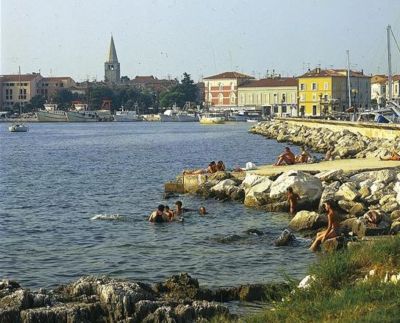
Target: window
{"type": "Point", "coordinates": [276, 109]}
{"type": "Point", "coordinates": [314, 110]}
{"type": "Point", "coordinates": [284, 108]}
{"type": "Point", "coordinates": [326, 86]}
{"type": "Point", "coordinates": [326, 97]}
{"type": "Point", "coordinates": [302, 97]}
{"type": "Point", "coordinates": [283, 97]}
{"type": "Point", "coordinates": [302, 87]}
{"type": "Point", "coordinates": [314, 87]}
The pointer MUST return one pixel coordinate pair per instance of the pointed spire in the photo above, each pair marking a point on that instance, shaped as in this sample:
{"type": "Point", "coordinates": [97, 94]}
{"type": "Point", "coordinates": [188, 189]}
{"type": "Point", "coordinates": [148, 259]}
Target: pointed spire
{"type": "Point", "coordinates": [112, 54]}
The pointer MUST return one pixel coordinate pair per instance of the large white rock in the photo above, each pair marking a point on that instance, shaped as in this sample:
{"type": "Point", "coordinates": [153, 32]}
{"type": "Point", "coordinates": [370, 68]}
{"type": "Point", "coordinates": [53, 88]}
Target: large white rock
{"type": "Point", "coordinates": [384, 176]}
{"type": "Point", "coordinates": [253, 193]}
{"type": "Point", "coordinates": [330, 175]}
{"type": "Point", "coordinates": [306, 220]}
{"type": "Point", "coordinates": [251, 180]}
{"type": "Point", "coordinates": [328, 194]}
{"type": "Point", "coordinates": [224, 186]}
{"type": "Point", "coordinates": [347, 191]}
{"type": "Point", "coordinates": [377, 186]}
{"type": "Point", "coordinates": [306, 185]}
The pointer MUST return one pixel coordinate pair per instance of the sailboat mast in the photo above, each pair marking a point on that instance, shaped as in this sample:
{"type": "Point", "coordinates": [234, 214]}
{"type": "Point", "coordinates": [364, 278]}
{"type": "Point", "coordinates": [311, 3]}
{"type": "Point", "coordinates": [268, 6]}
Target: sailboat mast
{"type": "Point", "coordinates": [388, 29]}
{"type": "Point", "coordinates": [19, 90]}
{"type": "Point", "coordinates": [348, 77]}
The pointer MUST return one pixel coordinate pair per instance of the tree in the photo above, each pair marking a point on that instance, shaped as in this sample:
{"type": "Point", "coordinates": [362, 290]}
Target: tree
{"type": "Point", "coordinates": [37, 102]}
{"type": "Point", "coordinates": [185, 91]}
{"type": "Point", "coordinates": [63, 98]}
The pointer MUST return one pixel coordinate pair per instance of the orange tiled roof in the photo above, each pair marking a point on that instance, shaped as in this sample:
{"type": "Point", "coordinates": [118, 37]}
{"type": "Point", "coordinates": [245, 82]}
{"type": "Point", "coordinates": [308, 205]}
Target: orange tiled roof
{"type": "Point", "coordinates": [17, 77]}
{"type": "Point", "coordinates": [229, 75]}
{"type": "Point", "coordinates": [272, 82]}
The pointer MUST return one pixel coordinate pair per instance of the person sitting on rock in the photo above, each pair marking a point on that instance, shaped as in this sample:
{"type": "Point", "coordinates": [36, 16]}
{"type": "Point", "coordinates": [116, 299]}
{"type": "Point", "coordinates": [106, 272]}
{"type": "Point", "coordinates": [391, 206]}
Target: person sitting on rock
{"type": "Point", "coordinates": [220, 166]}
{"type": "Point", "coordinates": [159, 215]}
{"type": "Point", "coordinates": [373, 218]}
{"type": "Point", "coordinates": [292, 199]}
{"type": "Point", "coordinates": [333, 229]}
{"type": "Point", "coordinates": [287, 157]}
{"type": "Point", "coordinates": [329, 154]}
{"type": "Point", "coordinates": [304, 156]}
{"type": "Point", "coordinates": [394, 156]}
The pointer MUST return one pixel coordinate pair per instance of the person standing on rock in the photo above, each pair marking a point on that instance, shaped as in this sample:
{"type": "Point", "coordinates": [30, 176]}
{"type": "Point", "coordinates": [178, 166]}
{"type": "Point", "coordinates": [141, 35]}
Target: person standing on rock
{"type": "Point", "coordinates": [287, 157]}
{"type": "Point", "coordinates": [333, 229]}
{"type": "Point", "coordinates": [292, 199]}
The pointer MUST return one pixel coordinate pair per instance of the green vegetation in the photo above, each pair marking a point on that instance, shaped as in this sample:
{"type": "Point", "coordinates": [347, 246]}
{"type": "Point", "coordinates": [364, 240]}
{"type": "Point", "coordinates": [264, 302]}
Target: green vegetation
{"type": "Point", "coordinates": [185, 91]}
{"type": "Point", "coordinates": [340, 293]}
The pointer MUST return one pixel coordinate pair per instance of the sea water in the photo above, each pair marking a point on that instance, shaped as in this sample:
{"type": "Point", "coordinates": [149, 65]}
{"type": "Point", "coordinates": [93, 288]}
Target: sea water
{"type": "Point", "coordinates": [75, 197]}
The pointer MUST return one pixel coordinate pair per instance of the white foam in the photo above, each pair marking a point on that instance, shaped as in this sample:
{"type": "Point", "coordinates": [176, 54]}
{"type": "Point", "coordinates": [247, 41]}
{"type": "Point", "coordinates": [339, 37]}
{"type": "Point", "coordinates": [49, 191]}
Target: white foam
{"type": "Point", "coordinates": [108, 217]}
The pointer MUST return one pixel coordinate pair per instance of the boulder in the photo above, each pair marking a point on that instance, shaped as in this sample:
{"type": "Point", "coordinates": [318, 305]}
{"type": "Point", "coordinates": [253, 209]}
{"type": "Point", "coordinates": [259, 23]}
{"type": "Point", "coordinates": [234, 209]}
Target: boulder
{"type": "Point", "coordinates": [328, 194]}
{"type": "Point", "coordinates": [306, 185]}
{"type": "Point", "coordinates": [395, 227]}
{"type": "Point", "coordinates": [377, 187]}
{"type": "Point", "coordinates": [362, 228]}
{"type": "Point", "coordinates": [255, 194]}
{"type": "Point", "coordinates": [364, 191]}
{"type": "Point", "coordinates": [346, 226]}
{"type": "Point", "coordinates": [306, 220]}
{"type": "Point", "coordinates": [385, 176]}
{"type": "Point", "coordinates": [351, 207]}
{"type": "Point", "coordinates": [286, 238]}
{"type": "Point", "coordinates": [390, 206]}
{"type": "Point", "coordinates": [251, 180]}
{"type": "Point", "coordinates": [330, 175]}
{"type": "Point", "coordinates": [395, 215]}
{"type": "Point", "coordinates": [237, 194]}
{"type": "Point", "coordinates": [347, 191]}
{"type": "Point", "coordinates": [224, 188]}
{"type": "Point", "coordinates": [333, 244]}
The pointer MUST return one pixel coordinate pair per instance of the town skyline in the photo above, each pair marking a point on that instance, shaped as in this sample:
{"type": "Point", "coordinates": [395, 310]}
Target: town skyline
{"type": "Point", "coordinates": [73, 40]}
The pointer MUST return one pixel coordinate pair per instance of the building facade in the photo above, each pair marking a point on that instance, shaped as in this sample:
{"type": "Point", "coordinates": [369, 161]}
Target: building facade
{"type": "Point", "coordinates": [378, 88]}
{"type": "Point", "coordinates": [275, 95]}
{"type": "Point", "coordinates": [326, 91]}
{"type": "Point", "coordinates": [112, 73]}
{"type": "Point", "coordinates": [395, 88]}
{"type": "Point", "coordinates": [18, 90]}
{"type": "Point", "coordinates": [49, 86]}
{"type": "Point", "coordinates": [221, 90]}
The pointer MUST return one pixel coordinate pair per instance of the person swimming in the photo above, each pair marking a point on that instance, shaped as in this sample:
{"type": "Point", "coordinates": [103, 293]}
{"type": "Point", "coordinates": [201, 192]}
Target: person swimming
{"type": "Point", "coordinates": [158, 216]}
{"type": "Point", "coordinates": [202, 210]}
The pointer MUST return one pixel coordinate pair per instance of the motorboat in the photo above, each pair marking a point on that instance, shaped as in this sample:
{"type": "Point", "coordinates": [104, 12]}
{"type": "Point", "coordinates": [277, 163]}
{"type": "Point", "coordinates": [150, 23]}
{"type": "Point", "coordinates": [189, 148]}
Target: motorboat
{"type": "Point", "coordinates": [82, 114]}
{"type": "Point", "coordinates": [175, 115]}
{"type": "Point", "coordinates": [127, 116]}
{"type": "Point", "coordinates": [238, 116]}
{"type": "Point", "coordinates": [252, 120]}
{"type": "Point", "coordinates": [18, 127]}
{"type": "Point", "coordinates": [212, 118]}
{"type": "Point", "coordinates": [51, 114]}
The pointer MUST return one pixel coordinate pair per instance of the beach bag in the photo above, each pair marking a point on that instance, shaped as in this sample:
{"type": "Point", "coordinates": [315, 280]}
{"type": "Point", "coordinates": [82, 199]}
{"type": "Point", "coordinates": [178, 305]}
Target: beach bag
{"type": "Point", "coordinates": [250, 166]}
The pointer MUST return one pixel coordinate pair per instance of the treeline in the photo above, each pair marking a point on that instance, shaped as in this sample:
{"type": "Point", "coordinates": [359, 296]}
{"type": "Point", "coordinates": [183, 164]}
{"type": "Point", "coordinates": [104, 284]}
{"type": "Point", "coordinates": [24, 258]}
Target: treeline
{"type": "Point", "coordinates": [127, 96]}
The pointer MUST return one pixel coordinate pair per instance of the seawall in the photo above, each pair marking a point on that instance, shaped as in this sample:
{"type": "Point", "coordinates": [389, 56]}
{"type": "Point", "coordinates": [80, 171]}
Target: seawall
{"type": "Point", "coordinates": [367, 129]}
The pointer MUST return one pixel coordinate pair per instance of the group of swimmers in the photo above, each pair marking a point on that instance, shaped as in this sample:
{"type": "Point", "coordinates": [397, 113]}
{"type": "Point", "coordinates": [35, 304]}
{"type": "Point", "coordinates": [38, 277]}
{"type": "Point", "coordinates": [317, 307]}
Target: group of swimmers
{"type": "Point", "coordinates": [165, 214]}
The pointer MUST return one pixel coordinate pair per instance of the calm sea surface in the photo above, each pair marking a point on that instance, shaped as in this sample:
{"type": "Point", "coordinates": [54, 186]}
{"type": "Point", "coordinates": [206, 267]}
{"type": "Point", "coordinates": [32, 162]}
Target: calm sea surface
{"type": "Point", "coordinates": [57, 177]}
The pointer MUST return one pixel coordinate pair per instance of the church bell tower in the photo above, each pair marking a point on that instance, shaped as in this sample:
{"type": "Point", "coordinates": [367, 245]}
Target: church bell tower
{"type": "Point", "coordinates": [112, 72]}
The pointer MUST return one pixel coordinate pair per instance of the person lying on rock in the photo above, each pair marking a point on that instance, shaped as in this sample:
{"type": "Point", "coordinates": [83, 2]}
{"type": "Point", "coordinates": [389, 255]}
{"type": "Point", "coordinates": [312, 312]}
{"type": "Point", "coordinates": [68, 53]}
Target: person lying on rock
{"type": "Point", "coordinates": [329, 154]}
{"type": "Point", "coordinates": [333, 229]}
{"type": "Point", "coordinates": [373, 218]}
{"type": "Point", "coordinates": [292, 199]}
{"type": "Point", "coordinates": [211, 169]}
{"type": "Point", "coordinates": [304, 156]}
{"type": "Point", "coordinates": [394, 156]}
{"type": "Point", "coordinates": [158, 216]}
{"type": "Point", "coordinates": [286, 158]}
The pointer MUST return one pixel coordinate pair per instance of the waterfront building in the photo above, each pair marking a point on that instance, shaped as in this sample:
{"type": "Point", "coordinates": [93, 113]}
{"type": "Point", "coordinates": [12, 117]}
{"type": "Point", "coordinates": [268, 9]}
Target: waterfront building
{"type": "Point", "coordinates": [17, 90]}
{"type": "Point", "coordinates": [378, 89]}
{"type": "Point", "coordinates": [49, 86]}
{"type": "Point", "coordinates": [112, 74]}
{"type": "Point", "coordinates": [323, 91]}
{"type": "Point", "coordinates": [395, 88]}
{"type": "Point", "coordinates": [274, 95]}
{"type": "Point", "coordinates": [221, 90]}
{"type": "Point", "coordinates": [152, 83]}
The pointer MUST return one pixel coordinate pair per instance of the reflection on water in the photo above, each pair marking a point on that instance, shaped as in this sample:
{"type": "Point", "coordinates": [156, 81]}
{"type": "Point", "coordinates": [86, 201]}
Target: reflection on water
{"type": "Point", "coordinates": [59, 180]}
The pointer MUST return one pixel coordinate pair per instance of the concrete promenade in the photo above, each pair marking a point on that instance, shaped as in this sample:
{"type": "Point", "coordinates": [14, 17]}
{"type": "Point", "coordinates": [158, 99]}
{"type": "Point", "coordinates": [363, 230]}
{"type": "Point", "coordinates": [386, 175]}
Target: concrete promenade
{"type": "Point", "coordinates": [347, 165]}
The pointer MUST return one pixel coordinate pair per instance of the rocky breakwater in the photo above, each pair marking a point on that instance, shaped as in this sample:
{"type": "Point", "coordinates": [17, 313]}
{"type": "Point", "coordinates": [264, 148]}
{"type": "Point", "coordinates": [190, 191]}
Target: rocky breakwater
{"type": "Point", "coordinates": [367, 202]}
{"type": "Point", "coordinates": [346, 144]}
{"type": "Point", "coordinates": [104, 299]}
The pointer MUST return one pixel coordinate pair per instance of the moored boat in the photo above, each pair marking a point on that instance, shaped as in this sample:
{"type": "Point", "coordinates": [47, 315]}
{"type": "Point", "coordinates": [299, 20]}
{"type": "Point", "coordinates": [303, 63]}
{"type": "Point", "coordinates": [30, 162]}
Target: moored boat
{"type": "Point", "coordinates": [18, 127]}
{"type": "Point", "coordinates": [51, 114]}
{"type": "Point", "coordinates": [127, 116]}
{"type": "Point", "coordinates": [82, 114]}
{"type": "Point", "coordinates": [212, 118]}
{"type": "Point", "coordinates": [173, 115]}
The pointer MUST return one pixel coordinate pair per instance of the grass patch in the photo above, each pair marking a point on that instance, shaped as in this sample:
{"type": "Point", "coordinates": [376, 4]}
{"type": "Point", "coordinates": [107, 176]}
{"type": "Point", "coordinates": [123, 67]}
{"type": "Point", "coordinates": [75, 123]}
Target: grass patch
{"type": "Point", "coordinates": [339, 295]}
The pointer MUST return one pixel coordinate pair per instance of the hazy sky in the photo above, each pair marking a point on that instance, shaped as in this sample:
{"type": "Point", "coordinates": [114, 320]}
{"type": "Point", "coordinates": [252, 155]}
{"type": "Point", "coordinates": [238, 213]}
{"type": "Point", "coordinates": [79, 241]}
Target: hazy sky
{"type": "Point", "coordinates": [201, 37]}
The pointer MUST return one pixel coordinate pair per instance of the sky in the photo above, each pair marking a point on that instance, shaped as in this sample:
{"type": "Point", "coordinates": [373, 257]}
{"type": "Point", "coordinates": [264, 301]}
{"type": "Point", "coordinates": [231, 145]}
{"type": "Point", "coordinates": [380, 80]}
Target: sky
{"type": "Point", "coordinates": [166, 38]}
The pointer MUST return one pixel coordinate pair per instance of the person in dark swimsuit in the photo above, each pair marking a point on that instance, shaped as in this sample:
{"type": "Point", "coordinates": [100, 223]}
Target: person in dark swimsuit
{"type": "Point", "coordinates": [333, 229]}
{"type": "Point", "coordinates": [158, 216]}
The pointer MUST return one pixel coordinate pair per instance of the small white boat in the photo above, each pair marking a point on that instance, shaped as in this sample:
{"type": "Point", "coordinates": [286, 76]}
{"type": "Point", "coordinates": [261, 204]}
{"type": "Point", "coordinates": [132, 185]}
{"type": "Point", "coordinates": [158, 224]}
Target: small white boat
{"type": "Point", "coordinates": [18, 127]}
{"type": "Point", "coordinates": [212, 118]}
{"type": "Point", "coordinates": [175, 115]}
{"type": "Point", "coordinates": [252, 120]}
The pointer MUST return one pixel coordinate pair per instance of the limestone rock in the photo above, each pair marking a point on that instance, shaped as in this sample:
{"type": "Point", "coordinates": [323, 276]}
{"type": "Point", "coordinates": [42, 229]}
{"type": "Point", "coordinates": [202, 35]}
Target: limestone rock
{"type": "Point", "coordinates": [347, 225]}
{"type": "Point", "coordinates": [361, 228]}
{"type": "Point", "coordinates": [251, 180]}
{"type": "Point", "coordinates": [255, 194]}
{"type": "Point", "coordinates": [390, 206]}
{"type": "Point", "coordinates": [333, 244]}
{"type": "Point", "coordinates": [347, 191]}
{"type": "Point", "coordinates": [395, 215]}
{"type": "Point", "coordinates": [285, 238]}
{"type": "Point", "coordinates": [306, 220]}
{"type": "Point", "coordinates": [330, 175]}
{"type": "Point", "coordinates": [328, 194]}
{"type": "Point", "coordinates": [306, 185]}
{"type": "Point", "coordinates": [364, 192]}
{"type": "Point", "coordinates": [395, 227]}
{"type": "Point", "coordinates": [351, 207]}
{"type": "Point", "coordinates": [384, 176]}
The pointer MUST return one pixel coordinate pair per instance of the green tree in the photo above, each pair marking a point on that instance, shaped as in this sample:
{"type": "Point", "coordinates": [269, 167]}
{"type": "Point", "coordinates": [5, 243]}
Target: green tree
{"type": "Point", "coordinates": [37, 102]}
{"type": "Point", "coordinates": [63, 98]}
{"type": "Point", "coordinates": [185, 91]}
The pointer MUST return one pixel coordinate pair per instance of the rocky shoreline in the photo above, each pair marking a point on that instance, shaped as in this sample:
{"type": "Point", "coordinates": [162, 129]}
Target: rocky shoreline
{"type": "Point", "coordinates": [105, 299]}
{"type": "Point", "coordinates": [355, 193]}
